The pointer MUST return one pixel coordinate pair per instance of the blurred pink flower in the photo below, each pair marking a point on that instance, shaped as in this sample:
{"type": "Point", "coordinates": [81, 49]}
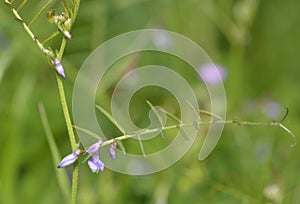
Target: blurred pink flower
{"type": "Point", "coordinates": [212, 74]}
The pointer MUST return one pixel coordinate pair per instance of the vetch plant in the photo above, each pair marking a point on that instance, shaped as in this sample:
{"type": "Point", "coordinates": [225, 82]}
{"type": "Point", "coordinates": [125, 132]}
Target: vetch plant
{"type": "Point", "coordinates": [209, 73]}
{"type": "Point", "coordinates": [64, 23]}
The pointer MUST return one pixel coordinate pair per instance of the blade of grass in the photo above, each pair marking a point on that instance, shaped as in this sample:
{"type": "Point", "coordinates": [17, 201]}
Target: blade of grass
{"type": "Point", "coordinates": [61, 175]}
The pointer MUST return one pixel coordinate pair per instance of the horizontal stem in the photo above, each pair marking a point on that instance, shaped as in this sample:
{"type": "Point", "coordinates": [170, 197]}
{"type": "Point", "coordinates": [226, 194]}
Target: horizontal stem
{"type": "Point", "coordinates": [148, 131]}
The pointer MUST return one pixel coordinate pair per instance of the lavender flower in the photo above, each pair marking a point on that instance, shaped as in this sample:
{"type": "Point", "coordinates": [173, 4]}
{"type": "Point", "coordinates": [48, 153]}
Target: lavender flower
{"type": "Point", "coordinates": [212, 74]}
{"type": "Point", "coordinates": [59, 68]}
{"type": "Point", "coordinates": [94, 148]}
{"type": "Point", "coordinates": [272, 109]}
{"type": "Point", "coordinates": [67, 34]}
{"type": "Point", "coordinates": [112, 150]}
{"type": "Point", "coordinates": [95, 163]}
{"type": "Point", "coordinates": [69, 159]}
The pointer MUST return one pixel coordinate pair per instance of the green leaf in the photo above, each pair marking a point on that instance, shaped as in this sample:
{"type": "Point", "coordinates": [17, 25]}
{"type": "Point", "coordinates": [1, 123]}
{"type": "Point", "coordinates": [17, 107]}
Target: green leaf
{"type": "Point", "coordinates": [38, 14]}
{"type": "Point", "coordinates": [158, 117]}
{"type": "Point", "coordinates": [111, 119]}
{"type": "Point", "coordinates": [61, 174]}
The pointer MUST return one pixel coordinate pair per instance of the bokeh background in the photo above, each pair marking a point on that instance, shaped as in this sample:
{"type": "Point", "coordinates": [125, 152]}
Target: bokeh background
{"type": "Point", "coordinates": [256, 41]}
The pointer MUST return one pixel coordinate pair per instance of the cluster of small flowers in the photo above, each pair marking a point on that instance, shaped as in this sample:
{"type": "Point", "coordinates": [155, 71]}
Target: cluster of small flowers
{"type": "Point", "coordinates": [94, 162]}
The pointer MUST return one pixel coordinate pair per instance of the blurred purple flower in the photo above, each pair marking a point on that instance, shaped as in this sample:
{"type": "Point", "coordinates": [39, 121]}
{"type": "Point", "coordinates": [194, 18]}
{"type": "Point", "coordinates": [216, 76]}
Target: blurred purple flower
{"type": "Point", "coordinates": [161, 39]}
{"type": "Point", "coordinates": [272, 109]}
{"type": "Point", "coordinates": [94, 147]}
{"type": "Point", "coordinates": [212, 74]}
{"type": "Point", "coordinates": [69, 159]}
{"type": "Point", "coordinates": [59, 68]}
{"type": "Point", "coordinates": [112, 150]}
{"type": "Point", "coordinates": [95, 163]}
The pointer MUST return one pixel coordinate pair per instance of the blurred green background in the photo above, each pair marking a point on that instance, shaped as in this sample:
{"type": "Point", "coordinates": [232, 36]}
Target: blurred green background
{"type": "Point", "coordinates": [257, 42]}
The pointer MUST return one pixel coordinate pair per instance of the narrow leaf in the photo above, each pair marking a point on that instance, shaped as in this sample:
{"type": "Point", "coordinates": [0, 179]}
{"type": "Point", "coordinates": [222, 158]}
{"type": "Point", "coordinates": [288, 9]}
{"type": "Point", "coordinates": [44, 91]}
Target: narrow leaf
{"type": "Point", "coordinates": [182, 133]}
{"type": "Point", "coordinates": [88, 132]}
{"type": "Point", "coordinates": [210, 114]}
{"type": "Point", "coordinates": [61, 174]}
{"type": "Point", "coordinates": [158, 117]}
{"type": "Point", "coordinates": [141, 145]}
{"type": "Point", "coordinates": [67, 8]}
{"type": "Point", "coordinates": [111, 119]}
{"type": "Point", "coordinates": [51, 37]}
{"type": "Point", "coordinates": [39, 12]}
{"type": "Point", "coordinates": [21, 5]}
{"type": "Point", "coordinates": [170, 115]}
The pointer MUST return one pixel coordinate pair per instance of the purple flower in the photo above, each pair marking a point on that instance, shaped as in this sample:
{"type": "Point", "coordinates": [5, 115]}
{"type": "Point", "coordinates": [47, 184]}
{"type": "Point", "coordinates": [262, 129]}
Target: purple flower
{"type": "Point", "coordinates": [212, 74]}
{"type": "Point", "coordinates": [94, 147]}
{"type": "Point", "coordinates": [69, 159]}
{"type": "Point", "coordinates": [67, 35]}
{"type": "Point", "coordinates": [272, 109]}
{"type": "Point", "coordinates": [59, 68]}
{"type": "Point", "coordinates": [95, 163]}
{"type": "Point", "coordinates": [112, 150]}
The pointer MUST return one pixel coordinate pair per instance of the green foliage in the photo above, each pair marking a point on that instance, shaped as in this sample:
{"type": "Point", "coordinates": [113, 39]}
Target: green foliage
{"type": "Point", "coordinates": [258, 43]}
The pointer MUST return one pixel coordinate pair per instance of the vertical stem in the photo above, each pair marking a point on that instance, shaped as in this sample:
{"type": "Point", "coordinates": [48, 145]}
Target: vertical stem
{"type": "Point", "coordinates": [59, 84]}
{"type": "Point", "coordinates": [66, 113]}
{"type": "Point", "coordinates": [72, 139]}
{"type": "Point", "coordinates": [74, 183]}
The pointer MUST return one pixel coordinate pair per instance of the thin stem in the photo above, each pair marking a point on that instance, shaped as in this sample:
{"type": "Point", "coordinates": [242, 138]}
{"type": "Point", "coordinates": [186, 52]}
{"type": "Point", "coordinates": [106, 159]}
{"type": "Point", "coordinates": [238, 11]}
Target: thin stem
{"type": "Point", "coordinates": [148, 131]}
{"type": "Point", "coordinates": [74, 183]}
{"type": "Point", "coordinates": [29, 32]}
{"type": "Point", "coordinates": [72, 139]}
{"type": "Point", "coordinates": [66, 112]}
{"type": "Point", "coordinates": [58, 78]}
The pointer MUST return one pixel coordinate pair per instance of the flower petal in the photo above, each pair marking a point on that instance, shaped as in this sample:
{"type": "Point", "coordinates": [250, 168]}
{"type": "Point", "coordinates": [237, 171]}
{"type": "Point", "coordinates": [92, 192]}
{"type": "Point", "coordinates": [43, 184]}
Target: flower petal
{"type": "Point", "coordinates": [94, 147]}
{"type": "Point", "coordinates": [95, 163]}
{"type": "Point", "coordinates": [112, 150]}
{"type": "Point", "coordinates": [69, 159]}
{"type": "Point", "coordinates": [59, 68]}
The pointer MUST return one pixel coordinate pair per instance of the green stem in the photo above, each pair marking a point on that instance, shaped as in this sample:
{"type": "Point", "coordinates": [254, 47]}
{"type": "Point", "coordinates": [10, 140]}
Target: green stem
{"type": "Point", "coordinates": [29, 32]}
{"type": "Point", "coordinates": [60, 86]}
{"type": "Point", "coordinates": [148, 131]}
{"type": "Point", "coordinates": [72, 139]}
{"type": "Point", "coordinates": [74, 183]}
{"type": "Point", "coordinates": [66, 113]}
